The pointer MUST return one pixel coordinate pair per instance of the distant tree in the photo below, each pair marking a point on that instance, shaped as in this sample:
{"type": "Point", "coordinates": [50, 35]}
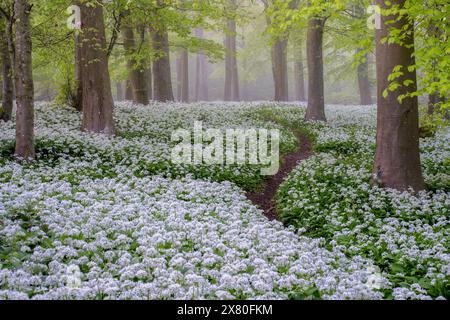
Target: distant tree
{"type": "Point", "coordinates": [231, 65]}
{"type": "Point", "coordinates": [136, 70]}
{"type": "Point", "coordinates": [201, 76]}
{"type": "Point", "coordinates": [316, 101]}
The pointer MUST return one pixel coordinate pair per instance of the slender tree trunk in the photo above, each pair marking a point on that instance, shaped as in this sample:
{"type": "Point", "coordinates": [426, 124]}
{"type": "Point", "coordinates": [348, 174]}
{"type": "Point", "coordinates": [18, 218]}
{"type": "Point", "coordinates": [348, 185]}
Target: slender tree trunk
{"type": "Point", "coordinates": [397, 159]}
{"type": "Point", "coordinates": [128, 90]}
{"type": "Point", "coordinates": [201, 77]}
{"type": "Point", "coordinates": [299, 73]}
{"type": "Point", "coordinates": [7, 75]}
{"type": "Point", "coordinates": [363, 81]}
{"type": "Point", "coordinates": [316, 101]}
{"type": "Point", "coordinates": [97, 97]}
{"type": "Point", "coordinates": [136, 73]}
{"type": "Point", "coordinates": [434, 99]}
{"type": "Point", "coordinates": [162, 79]}
{"type": "Point", "coordinates": [231, 67]}
{"type": "Point", "coordinates": [148, 80]}
{"type": "Point", "coordinates": [184, 75]}
{"type": "Point", "coordinates": [24, 79]}
{"type": "Point", "coordinates": [119, 89]}
{"type": "Point", "coordinates": [280, 69]}
{"type": "Point", "coordinates": [78, 74]}
{"type": "Point", "coordinates": [179, 76]}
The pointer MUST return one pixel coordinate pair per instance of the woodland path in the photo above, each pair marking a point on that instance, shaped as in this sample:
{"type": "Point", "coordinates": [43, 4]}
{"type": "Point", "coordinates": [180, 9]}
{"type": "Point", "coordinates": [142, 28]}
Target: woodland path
{"type": "Point", "coordinates": [265, 197]}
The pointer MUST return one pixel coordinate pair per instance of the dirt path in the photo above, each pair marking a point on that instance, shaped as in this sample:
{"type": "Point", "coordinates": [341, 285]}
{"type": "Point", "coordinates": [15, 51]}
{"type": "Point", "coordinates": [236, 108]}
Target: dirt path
{"type": "Point", "coordinates": [265, 199]}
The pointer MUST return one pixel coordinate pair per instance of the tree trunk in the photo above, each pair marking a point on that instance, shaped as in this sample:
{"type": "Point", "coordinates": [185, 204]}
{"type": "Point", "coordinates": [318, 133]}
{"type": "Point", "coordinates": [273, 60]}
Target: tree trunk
{"type": "Point", "coordinates": [148, 80]}
{"type": "Point", "coordinates": [119, 89]}
{"type": "Point", "coordinates": [162, 79]}
{"type": "Point", "coordinates": [128, 90]}
{"type": "Point", "coordinates": [24, 79]}
{"type": "Point", "coordinates": [397, 158]}
{"type": "Point", "coordinates": [78, 74]}
{"type": "Point", "coordinates": [279, 69]}
{"type": "Point", "coordinates": [363, 81]}
{"type": "Point", "coordinates": [201, 77]}
{"type": "Point", "coordinates": [231, 67]}
{"type": "Point", "coordinates": [179, 76]}
{"type": "Point", "coordinates": [136, 73]}
{"type": "Point", "coordinates": [7, 75]}
{"type": "Point", "coordinates": [184, 75]}
{"type": "Point", "coordinates": [299, 74]}
{"type": "Point", "coordinates": [316, 102]}
{"type": "Point", "coordinates": [97, 97]}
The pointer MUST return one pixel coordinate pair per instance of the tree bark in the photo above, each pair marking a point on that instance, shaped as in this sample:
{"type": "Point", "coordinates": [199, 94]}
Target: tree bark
{"type": "Point", "coordinates": [97, 103]}
{"type": "Point", "coordinates": [162, 79]}
{"type": "Point", "coordinates": [136, 74]}
{"type": "Point", "coordinates": [299, 74]}
{"type": "Point", "coordinates": [280, 69]}
{"type": "Point", "coordinates": [201, 77]}
{"type": "Point", "coordinates": [231, 67]}
{"type": "Point", "coordinates": [184, 75]}
{"type": "Point", "coordinates": [128, 90]}
{"type": "Point", "coordinates": [24, 79]}
{"type": "Point", "coordinates": [78, 103]}
{"type": "Point", "coordinates": [363, 81]}
{"type": "Point", "coordinates": [148, 80]}
{"type": "Point", "coordinates": [119, 91]}
{"type": "Point", "coordinates": [397, 158]}
{"type": "Point", "coordinates": [7, 75]}
{"type": "Point", "coordinates": [316, 102]}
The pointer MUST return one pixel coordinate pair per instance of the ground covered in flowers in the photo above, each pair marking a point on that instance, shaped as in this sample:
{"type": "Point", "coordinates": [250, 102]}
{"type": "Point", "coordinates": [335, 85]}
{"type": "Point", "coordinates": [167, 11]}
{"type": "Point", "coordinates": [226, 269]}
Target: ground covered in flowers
{"type": "Point", "coordinates": [136, 226]}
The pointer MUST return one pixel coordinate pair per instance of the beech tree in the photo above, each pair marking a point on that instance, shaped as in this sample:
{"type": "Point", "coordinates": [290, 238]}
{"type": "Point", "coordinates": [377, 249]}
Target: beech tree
{"type": "Point", "coordinates": [316, 101]}
{"type": "Point", "coordinates": [24, 82]}
{"type": "Point", "coordinates": [183, 75]}
{"type": "Point", "coordinates": [162, 79]}
{"type": "Point", "coordinates": [397, 158]}
{"type": "Point", "coordinates": [7, 73]}
{"type": "Point", "coordinates": [136, 71]}
{"type": "Point", "coordinates": [299, 72]}
{"type": "Point", "coordinates": [231, 67]}
{"type": "Point", "coordinates": [97, 101]}
{"type": "Point", "coordinates": [201, 75]}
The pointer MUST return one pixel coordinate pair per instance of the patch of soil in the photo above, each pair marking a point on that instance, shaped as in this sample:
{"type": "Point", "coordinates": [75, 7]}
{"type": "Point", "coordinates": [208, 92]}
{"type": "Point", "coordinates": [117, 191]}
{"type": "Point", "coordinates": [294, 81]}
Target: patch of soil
{"type": "Point", "coordinates": [265, 198]}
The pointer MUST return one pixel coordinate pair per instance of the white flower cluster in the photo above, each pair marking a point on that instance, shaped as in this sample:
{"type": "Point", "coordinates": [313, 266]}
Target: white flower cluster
{"type": "Point", "coordinates": [330, 196]}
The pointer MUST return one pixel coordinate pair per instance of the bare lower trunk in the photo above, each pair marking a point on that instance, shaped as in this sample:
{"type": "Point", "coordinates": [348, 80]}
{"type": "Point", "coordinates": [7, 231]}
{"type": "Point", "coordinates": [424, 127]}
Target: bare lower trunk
{"type": "Point", "coordinates": [128, 90]}
{"type": "Point", "coordinates": [78, 75]}
{"type": "Point", "coordinates": [97, 97]}
{"type": "Point", "coordinates": [363, 81]}
{"type": "Point", "coordinates": [279, 70]}
{"type": "Point", "coordinates": [316, 102]}
{"type": "Point", "coordinates": [119, 91]}
{"type": "Point", "coordinates": [397, 159]}
{"type": "Point", "coordinates": [299, 74]}
{"type": "Point", "coordinates": [184, 75]}
{"type": "Point", "coordinates": [201, 77]}
{"type": "Point", "coordinates": [7, 75]}
{"type": "Point", "coordinates": [148, 80]}
{"type": "Point", "coordinates": [136, 73]}
{"type": "Point", "coordinates": [162, 80]}
{"type": "Point", "coordinates": [231, 67]}
{"type": "Point", "coordinates": [24, 79]}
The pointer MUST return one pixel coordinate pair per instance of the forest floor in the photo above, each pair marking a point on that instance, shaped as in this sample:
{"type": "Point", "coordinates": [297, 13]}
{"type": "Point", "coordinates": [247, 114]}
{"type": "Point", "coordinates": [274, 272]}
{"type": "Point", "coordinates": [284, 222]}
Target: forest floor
{"type": "Point", "coordinates": [97, 217]}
